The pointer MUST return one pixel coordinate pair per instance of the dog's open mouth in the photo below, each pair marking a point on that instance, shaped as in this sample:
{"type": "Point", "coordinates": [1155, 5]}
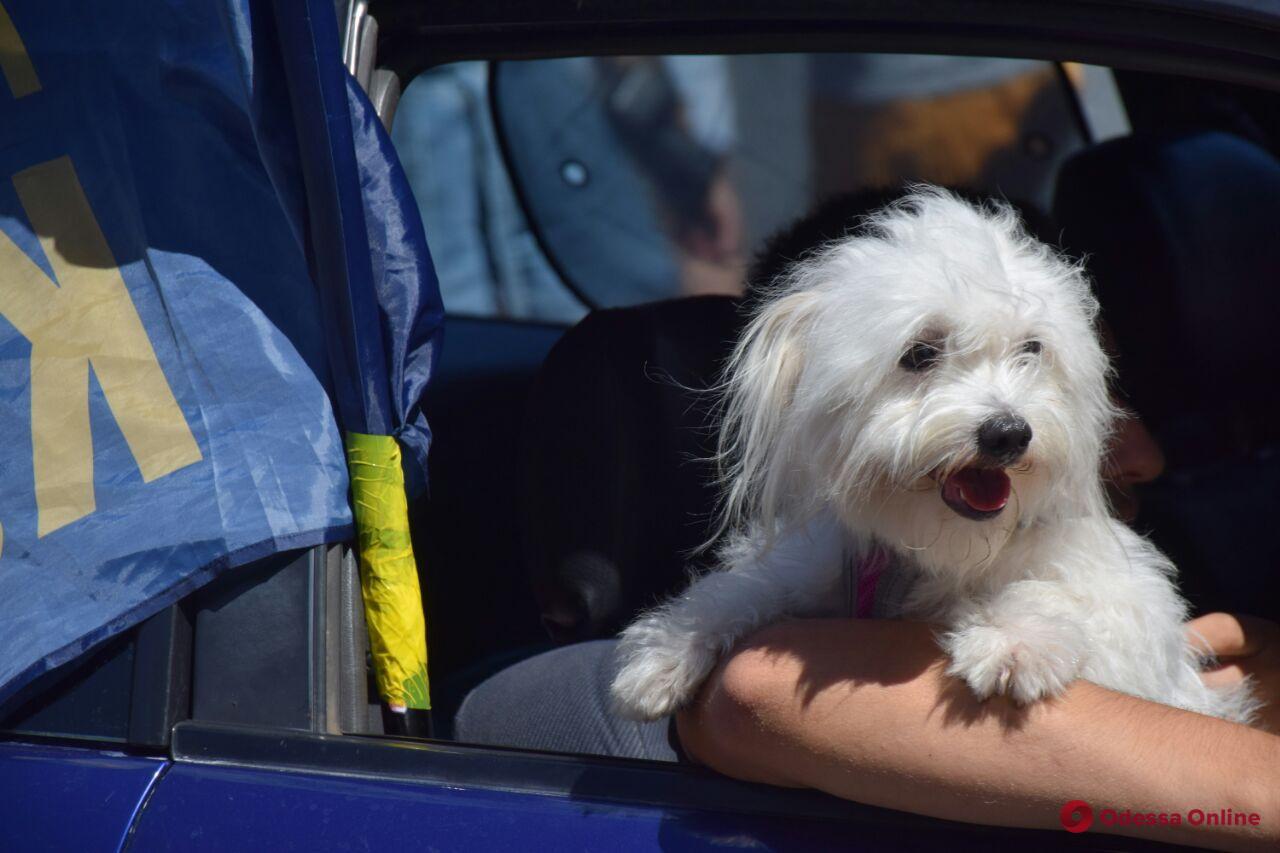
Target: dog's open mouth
{"type": "Point", "coordinates": [977, 493]}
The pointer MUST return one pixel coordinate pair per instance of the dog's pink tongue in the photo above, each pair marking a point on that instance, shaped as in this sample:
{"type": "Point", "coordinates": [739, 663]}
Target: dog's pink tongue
{"type": "Point", "coordinates": [983, 489]}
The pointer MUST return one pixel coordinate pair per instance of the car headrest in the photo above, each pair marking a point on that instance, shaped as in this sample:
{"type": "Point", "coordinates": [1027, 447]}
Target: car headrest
{"type": "Point", "coordinates": [1180, 236]}
{"type": "Point", "coordinates": [619, 487]}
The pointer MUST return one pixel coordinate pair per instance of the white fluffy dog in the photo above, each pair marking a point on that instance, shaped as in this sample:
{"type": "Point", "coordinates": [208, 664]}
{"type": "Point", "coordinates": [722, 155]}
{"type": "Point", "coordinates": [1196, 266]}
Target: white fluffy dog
{"type": "Point", "coordinates": [930, 394]}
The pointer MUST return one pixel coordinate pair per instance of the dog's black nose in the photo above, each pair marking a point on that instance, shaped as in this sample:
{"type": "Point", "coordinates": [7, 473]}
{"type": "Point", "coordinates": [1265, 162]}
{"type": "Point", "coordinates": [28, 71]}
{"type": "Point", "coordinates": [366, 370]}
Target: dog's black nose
{"type": "Point", "coordinates": [1004, 438]}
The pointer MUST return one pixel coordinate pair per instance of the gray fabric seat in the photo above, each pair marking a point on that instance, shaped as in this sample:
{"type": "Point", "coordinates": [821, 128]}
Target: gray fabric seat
{"type": "Point", "coordinates": [558, 702]}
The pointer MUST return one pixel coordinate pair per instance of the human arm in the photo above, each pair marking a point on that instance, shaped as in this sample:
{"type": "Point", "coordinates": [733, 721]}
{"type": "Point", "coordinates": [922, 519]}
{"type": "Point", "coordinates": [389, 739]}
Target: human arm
{"type": "Point", "coordinates": [1245, 646]}
{"type": "Point", "coordinates": [862, 709]}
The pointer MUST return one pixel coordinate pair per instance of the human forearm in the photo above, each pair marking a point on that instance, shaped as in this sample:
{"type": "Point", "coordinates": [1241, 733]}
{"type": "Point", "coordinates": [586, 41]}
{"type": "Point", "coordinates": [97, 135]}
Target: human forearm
{"type": "Point", "coordinates": [862, 709]}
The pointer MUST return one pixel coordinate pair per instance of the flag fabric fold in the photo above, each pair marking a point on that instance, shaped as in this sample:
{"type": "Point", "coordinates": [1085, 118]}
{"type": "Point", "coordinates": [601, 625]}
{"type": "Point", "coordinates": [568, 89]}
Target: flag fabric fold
{"type": "Point", "coordinates": [174, 365]}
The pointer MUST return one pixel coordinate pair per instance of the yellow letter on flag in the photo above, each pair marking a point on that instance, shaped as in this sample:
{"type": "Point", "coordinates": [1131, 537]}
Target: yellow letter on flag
{"type": "Point", "coordinates": [86, 319]}
{"type": "Point", "coordinates": [14, 62]}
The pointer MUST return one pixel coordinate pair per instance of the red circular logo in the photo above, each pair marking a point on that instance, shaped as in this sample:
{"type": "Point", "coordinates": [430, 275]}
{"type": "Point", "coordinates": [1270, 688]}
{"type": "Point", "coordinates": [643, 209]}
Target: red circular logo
{"type": "Point", "coordinates": [1076, 816]}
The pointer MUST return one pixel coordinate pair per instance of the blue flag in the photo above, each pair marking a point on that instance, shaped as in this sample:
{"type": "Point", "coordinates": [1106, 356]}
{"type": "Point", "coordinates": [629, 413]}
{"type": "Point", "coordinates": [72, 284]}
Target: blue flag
{"type": "Point", "coordinates": [174, 332]}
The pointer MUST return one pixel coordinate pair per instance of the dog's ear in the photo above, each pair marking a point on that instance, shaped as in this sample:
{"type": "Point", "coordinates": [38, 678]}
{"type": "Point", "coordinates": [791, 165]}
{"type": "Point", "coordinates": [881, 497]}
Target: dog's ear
{"type": "Point", "coordinates": [760, 386]}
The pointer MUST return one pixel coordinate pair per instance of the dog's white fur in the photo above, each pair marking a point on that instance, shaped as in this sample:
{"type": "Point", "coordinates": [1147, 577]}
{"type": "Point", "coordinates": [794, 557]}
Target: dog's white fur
{"type": "Point", "coordinates": [832, 448]}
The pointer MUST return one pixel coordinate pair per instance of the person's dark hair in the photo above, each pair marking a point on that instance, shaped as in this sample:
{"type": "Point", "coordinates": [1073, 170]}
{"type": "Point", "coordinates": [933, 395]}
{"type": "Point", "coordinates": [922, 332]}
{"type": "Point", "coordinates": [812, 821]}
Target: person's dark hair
{"type": "Point", "coordinates": [841, 215]}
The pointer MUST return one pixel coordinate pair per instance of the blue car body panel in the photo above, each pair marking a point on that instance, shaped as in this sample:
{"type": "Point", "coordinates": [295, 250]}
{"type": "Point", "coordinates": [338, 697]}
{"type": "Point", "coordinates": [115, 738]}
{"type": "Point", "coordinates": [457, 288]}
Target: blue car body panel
{"type": "Point", "coordinates": [231, 787]}
{"type": "Point", "coordinates": [241, 788]}
{"type": "Point", "coordinates": [210, 808]}
{"type": "Point", "coordinates": [67, 798]}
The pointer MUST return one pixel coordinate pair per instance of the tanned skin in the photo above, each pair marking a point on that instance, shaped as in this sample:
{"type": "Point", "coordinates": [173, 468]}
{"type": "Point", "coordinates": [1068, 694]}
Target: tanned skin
{"type": "Point", "coordinates": [863, 709]}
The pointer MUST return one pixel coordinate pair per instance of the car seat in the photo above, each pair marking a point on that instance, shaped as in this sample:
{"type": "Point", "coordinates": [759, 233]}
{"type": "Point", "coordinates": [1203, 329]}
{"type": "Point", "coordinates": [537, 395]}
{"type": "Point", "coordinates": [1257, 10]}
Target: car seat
{"type": "Point", "coordinates": [1179, 233]}
{"type": "Point", "coordinates": [619, 487]}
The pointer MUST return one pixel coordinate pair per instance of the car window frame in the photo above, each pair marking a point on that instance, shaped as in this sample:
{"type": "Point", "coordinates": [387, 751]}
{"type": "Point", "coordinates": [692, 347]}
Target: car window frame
{"type": "Point", "coordinates": [166, 682]}
{"type": "Point", "coordinates": [628, 782]}
{"type": "Point", "coordinates": [486, 44]}
{"type": "Point", "coordinates": [153, 698]}
{"type": "Point", "coordinates": [1228, 40]}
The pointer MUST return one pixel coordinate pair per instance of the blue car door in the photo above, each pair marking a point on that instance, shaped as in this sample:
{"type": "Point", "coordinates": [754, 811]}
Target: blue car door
{"type": "Point", "coordinates": [70, 798]}
{"type": "Point", "coordinates": [240, 787]}
{"type": "Point", "coordinates": [82, 748]}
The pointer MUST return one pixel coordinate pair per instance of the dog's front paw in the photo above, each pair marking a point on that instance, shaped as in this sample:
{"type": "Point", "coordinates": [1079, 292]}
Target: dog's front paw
{"type": "Point", "coordinates": [660, 669]}
{"type": "Point", "coordinates": [1026, 662]}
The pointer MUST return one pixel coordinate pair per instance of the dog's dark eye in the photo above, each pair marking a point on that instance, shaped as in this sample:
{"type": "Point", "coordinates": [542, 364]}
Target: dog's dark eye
{"type": "Point", "coordinates": [921, 355]}
{"type": "Point", "coordinates": [1032, 347]}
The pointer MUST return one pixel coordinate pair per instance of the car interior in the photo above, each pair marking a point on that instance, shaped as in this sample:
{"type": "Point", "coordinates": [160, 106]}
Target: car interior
{"type": "Point", "coordinates": [571, 478]}
{"type": "Point", "coordinates": [590, 446]}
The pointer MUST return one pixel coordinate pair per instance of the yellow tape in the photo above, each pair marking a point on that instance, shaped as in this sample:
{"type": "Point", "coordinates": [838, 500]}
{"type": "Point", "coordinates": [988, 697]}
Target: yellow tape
{"type": "Point", "coordinates": [388, 571]}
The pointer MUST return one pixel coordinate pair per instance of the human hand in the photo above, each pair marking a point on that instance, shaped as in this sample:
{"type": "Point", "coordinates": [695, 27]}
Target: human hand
{"type": "Point", "coordinates": [1134, 458]}
{"type": "Point", "coordinates": [1244, 646]}
{"type": "Point", "coordinates": [711, 258]}
{"type": "Point", "coordinates": [717, 237]}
